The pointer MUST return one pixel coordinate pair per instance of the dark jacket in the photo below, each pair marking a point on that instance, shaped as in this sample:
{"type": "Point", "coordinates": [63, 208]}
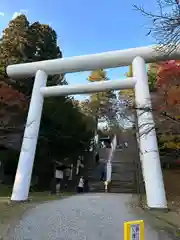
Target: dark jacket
{"type": "Point", "coordinates": [86, 186]}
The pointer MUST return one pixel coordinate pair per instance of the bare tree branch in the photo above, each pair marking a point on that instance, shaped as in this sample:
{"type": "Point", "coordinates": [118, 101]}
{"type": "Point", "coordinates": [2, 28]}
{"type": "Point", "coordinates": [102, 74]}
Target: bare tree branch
{"type": "Point", "coordinates": [165, 24]}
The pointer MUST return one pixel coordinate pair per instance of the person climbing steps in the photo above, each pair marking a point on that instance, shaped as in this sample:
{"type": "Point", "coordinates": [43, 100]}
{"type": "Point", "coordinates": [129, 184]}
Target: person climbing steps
{"type": "Point", "coordinates": [80, 185]}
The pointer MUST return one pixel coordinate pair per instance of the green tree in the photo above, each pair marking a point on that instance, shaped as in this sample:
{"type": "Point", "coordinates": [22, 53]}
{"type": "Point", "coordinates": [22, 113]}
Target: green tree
{"type": "Point", "coordinates": [130, 72]}
{"type": "Point", "coordinates": [100, 104]}
{"type": "Point", "coordinates": [65, 130]}
{"type": "Point", "coordinates": [64, 133]}
{"type": "Point", "coordinates": [152, 76]}
{"type": "Point", "coordinates": [24, 42]}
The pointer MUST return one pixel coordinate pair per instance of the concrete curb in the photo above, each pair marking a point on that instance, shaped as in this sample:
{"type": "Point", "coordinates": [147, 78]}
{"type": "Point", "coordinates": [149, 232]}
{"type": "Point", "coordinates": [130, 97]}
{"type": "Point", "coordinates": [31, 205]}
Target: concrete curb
{"type": "Point", "coordinates": [174, 229]}
{"type": "Point", "coordinates": [155, 213]}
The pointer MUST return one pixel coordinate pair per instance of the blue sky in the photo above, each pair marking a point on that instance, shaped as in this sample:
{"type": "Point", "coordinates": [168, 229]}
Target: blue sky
{"type": "Point", "coordinates": [86, 27]}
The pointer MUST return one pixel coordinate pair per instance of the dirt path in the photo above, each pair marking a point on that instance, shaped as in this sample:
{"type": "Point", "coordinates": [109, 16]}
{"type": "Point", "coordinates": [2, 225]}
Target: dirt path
{"type": "Point", "coordinates": [91, 216]}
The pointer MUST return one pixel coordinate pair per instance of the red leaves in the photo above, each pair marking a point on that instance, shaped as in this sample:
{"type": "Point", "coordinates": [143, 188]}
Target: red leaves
{"type": "Point", "coordinates": [12, 105]}
{"type": "Point", "coordinates": [10, 96]}
{"type": "Point", "coordinates": [168, 73]}
{"type": "Point", "coordinates": [168, 84]}
{"type": "Point", "coordinates": [166, 100]}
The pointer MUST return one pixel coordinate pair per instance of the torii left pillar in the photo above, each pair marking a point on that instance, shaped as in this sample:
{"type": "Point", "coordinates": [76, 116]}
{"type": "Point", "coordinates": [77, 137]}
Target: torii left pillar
{"type": "Point", "coordinates": [26, 158]}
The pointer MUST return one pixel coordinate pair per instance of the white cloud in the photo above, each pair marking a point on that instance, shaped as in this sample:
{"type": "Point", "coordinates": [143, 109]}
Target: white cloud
{"type": "Point", "coordinates": [15, 14]}
{"type": "Point", "coordinates": [22, 11]}
{"type": "Point", "coordinates": [2, 14]}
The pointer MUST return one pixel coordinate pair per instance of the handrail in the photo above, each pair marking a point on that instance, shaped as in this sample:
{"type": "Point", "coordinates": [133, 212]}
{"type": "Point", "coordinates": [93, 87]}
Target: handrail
{"type": "Point", "coordinates": [109, 163]}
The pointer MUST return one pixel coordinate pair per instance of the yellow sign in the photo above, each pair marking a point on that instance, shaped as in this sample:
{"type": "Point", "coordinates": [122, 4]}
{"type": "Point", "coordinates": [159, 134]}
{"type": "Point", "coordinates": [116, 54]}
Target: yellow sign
{"type": "Point", "coordinates": [134, 230]}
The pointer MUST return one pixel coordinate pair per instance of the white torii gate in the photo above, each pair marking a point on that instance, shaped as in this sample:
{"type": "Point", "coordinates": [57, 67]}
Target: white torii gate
{"type": "Point", "coordinates": [137, 56]}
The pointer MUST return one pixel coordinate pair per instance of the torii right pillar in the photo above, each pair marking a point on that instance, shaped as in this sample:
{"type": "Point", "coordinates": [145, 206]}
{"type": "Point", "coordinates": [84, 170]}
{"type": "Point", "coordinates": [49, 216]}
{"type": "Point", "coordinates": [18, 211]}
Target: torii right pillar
{"type": "Point", "coordinates": [154, 184]}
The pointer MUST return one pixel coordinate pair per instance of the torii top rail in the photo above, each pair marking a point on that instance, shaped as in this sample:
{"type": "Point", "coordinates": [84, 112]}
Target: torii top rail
{"type": "Point", "coordinates": [104, 60]}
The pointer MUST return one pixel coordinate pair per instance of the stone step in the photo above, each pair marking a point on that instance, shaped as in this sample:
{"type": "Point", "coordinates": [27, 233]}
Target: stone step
{"type": "Point", "coordinates": [119, 163]}
{"type": "Point", "coordinates": [97, 191]}
{"type": "Point", "coordinates": [123, 181]}
{"type": "Point", "coordinates": [124, 168]}
{"type": "Point", "coordinates": [94, 177]}
{"type": "Point", "coordinates": [93, 181]}
{"type": "Point", "coordinates": [123, 177]}
{"type": "Point", "coordinates": [121, 190]}
{"type": "Point", "coordinates": [121, 170]}
{"type": "Point", "coordinates": [124, 165]}
{"type": "Point", "coordinates": [97, 187]}
{"type": "Point", "coordinates": [124, 186]}
{"type": "Point", "coordinates": [124, 159]}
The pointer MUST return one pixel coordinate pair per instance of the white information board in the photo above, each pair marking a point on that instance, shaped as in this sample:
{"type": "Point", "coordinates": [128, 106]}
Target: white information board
{"type": "Point", "coordinates": [135, 232]}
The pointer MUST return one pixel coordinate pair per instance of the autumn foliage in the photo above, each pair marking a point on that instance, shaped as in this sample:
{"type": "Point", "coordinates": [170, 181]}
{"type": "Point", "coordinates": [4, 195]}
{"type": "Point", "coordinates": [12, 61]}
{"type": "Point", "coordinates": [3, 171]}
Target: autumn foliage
{"type": "Point", "coordinates": [168, 85]}
{"type": "Point", "coordinates": [11, 96]}
{"type": "Point", "coordinates": [167, 103]}
{"type": "Point", "coordinates": [12, 104]}
{"type": "Point", "coordinates": [164, 85]}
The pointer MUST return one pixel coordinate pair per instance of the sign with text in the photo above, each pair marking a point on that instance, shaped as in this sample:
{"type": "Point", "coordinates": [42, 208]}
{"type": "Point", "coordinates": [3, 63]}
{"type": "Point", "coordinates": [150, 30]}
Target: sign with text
{"type": "Point", "coordinates": [134, 230]}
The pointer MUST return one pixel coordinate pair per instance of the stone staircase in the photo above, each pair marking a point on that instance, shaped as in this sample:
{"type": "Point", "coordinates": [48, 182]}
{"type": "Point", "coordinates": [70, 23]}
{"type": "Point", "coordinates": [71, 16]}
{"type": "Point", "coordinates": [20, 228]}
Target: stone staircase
{"type": "Point", "coordinates": [123, 178]}
{"type": "Point", "coordinates": [95, 184]}
{"type": "Point", "coordinates": [126, 172]}
{"type": "Point", "coordinates": [93, 172]}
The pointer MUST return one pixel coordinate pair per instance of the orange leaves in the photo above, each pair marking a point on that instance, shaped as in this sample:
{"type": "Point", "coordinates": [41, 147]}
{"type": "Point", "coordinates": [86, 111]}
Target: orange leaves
{"type": "Point", "coordinates": [168, 73]}
{"type": "Point", "coordinates": [13, 105]}
{"type": "Point", "coordinates": [166, 98]}
{"type": "Point", "coordinates": [168, 85]}
{"type": "Point", "coordinates": [10, 96]}
{"type": "Point", "coordinates": [174, 95]}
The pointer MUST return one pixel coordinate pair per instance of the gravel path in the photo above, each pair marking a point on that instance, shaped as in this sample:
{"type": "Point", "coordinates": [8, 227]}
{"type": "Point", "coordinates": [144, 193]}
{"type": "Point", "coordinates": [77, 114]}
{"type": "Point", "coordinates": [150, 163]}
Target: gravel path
{"type": "Point", "coordinates": [81, 217]}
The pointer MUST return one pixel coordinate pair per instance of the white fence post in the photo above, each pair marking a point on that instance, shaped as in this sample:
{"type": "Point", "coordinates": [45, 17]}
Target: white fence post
{"type": "Point", "coordinates": [151, 166]}
{"type": "Point", "coordinates": [109, 162]}
{"type": "Point", "coordinates": [26, 158]}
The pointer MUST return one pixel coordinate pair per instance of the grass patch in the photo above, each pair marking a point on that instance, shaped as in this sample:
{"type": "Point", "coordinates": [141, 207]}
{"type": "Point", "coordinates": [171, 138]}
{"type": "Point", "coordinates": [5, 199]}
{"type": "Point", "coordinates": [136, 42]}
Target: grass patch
{"type": "Point", "coordinates": [12, 211]}
{"type": "Point", "coordinates": [5, 190]}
